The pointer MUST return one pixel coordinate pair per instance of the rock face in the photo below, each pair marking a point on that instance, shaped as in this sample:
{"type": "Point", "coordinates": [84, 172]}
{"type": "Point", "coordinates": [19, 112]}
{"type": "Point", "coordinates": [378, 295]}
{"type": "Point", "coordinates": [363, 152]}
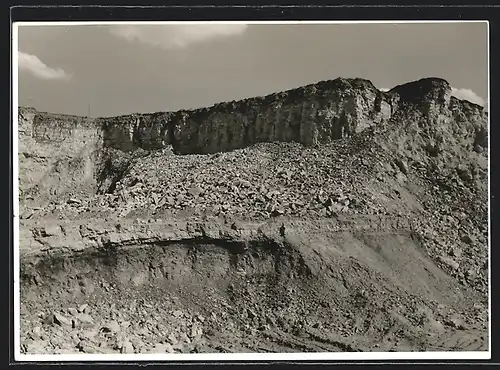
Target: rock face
{"type": "Point", "coordinates": [312, 115]}
{"type": "Point", "coordinates": [57, 154]}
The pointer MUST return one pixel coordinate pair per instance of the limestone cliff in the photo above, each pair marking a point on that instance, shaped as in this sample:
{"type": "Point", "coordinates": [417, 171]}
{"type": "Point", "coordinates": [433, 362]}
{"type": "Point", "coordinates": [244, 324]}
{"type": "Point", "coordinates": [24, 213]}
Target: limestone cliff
{"type": "Point", "coordinates": [310, 115]}
{"type": "Point", "coordinates": [57, 154]}
{"type": "Point", "coordinates": [68, 150]}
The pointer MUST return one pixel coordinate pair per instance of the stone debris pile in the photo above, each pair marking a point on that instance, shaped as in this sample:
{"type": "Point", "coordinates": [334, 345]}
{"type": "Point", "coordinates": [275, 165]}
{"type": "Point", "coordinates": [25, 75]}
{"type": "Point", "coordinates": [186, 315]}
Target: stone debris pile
{"type": "Point", "coordinates": [263, 181]}
{"type": "Point", "coordinates": [109, 329]}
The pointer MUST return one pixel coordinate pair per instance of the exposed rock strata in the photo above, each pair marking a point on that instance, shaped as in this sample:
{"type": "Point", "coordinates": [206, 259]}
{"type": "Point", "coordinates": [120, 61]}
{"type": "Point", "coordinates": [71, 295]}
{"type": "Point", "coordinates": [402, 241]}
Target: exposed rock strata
{"type": "Point", "coordinates": [364, 224]}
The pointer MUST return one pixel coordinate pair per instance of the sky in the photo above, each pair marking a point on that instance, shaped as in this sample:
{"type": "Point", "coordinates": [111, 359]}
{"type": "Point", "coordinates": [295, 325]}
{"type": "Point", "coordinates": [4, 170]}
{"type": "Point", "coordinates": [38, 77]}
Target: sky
{"type": "Point", "coordinates": [127, 68]}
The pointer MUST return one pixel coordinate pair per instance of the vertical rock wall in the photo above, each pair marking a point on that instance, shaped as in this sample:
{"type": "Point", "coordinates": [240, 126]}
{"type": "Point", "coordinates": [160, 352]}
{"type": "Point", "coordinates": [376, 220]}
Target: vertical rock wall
{"type": "Point", "coordinates": [61, 153]}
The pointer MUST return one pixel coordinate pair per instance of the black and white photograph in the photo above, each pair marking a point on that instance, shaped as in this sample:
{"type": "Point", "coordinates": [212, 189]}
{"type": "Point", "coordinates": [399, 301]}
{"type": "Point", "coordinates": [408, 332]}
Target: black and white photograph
{"type": "Point", "coordinates": [251, 190]}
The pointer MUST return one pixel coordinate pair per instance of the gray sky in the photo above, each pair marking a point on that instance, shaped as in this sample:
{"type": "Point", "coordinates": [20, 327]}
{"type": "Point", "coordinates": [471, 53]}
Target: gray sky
{"type": "Point", "coordinates": [136, 68]}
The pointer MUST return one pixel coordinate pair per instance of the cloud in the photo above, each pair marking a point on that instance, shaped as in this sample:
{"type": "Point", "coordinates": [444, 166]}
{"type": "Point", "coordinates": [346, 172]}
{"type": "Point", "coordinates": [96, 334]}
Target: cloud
{"type": "Point", "coordinates": [467, 94]}
{"type": "Point", "coordinates": [176, 36]}
{"type": "Point", "coordinates": [384, 89]}
{"type": "Point", "coordinates": [30, 63]}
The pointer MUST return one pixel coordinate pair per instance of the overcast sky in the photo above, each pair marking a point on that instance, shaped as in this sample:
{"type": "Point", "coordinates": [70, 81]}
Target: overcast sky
{"type": "Point", "coordinates": [123, 69]}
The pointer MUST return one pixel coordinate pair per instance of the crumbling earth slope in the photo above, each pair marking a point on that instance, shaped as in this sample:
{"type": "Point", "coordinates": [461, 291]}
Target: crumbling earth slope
{"type": "Point", "coordinates": [334, 217]}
